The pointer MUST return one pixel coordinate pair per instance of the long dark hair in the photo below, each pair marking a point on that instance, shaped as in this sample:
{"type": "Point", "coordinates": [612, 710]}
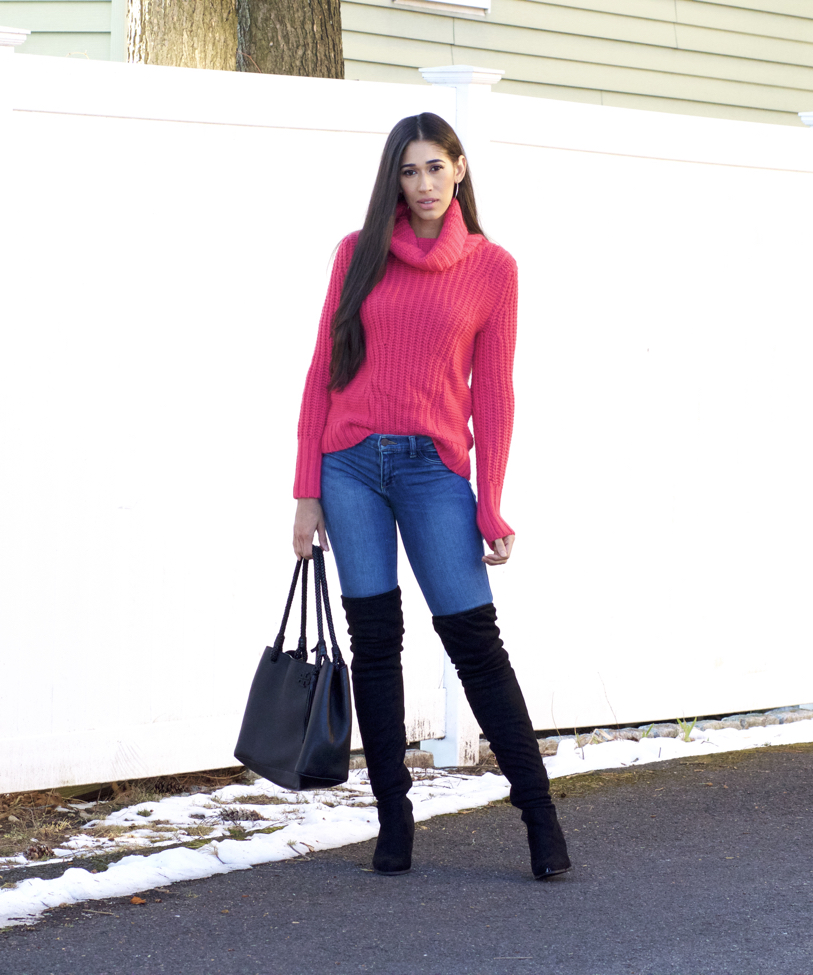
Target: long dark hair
{"type": "Point", "coordinates": [370, 256]}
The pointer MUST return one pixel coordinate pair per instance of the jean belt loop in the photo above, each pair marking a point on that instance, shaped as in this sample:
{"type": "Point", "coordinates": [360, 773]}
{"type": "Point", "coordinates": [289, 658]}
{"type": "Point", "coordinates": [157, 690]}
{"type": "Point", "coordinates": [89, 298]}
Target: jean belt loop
{"type": "Point", "coordinates": [413, 453]}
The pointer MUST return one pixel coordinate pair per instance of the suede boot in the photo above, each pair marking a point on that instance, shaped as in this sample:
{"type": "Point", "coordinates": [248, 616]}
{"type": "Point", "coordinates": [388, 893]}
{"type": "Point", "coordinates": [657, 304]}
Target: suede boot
{"type": "Point", "coordinates": [376, 627]}
{"type": "Point", "coordinates": [547, 843]}
{"type": "Point", "coordinates": [472, 640]}
{"type": "Point", "coordinates": [396, 832]}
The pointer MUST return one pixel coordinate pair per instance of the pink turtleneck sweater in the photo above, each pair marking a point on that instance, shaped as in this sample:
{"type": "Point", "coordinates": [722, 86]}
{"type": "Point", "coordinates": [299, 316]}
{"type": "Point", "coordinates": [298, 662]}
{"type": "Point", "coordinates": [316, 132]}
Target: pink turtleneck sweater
{"type": "Point", "coordinates": [445, 310]}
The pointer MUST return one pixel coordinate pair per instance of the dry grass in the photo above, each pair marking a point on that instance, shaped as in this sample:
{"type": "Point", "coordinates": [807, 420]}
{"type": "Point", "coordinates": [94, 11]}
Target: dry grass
{"type": "Point", "coordinates": [260, 801]}
{"type": "Point", "coordinates": [103, 831]}
{"type": "Point", "coordinates": [25, 816]}
{"type": "Point", "coordinates": [11, 802]}
{"type": "Point", "coordinates": [199, 830]}
{"type": "Point", "coordinates": [41, 823]}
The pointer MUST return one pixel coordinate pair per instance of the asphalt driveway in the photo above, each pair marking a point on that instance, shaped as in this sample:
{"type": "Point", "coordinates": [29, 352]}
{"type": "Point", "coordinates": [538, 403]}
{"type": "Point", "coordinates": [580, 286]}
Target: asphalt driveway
{"type": "Point", "coordinates": [700, 866]}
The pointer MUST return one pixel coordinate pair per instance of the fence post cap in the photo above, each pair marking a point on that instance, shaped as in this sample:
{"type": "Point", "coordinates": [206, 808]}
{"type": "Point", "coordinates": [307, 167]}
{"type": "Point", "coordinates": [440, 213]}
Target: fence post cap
{"type": "Point", "coordinates": [806, 117]}
{"type": "Point", "coordinates": [12, 36]}
{"type": "Point", "coordinates": [461, 74]}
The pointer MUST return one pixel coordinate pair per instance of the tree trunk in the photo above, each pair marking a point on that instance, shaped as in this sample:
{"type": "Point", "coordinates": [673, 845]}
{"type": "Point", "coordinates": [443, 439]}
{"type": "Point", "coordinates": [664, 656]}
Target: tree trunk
{"type": "Point", "coordinates": [293, 37]}
{"type": "Point", "coordinates": [182, 33]}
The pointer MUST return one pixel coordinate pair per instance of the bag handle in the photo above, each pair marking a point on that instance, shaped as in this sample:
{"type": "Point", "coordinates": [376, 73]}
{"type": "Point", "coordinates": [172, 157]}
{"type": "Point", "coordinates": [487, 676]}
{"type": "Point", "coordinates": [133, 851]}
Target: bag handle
{"type": "Point", "coordinates": [322, 600]}
{"type": "Point", "coordinates": [320, 579]}
{"type": "Point", "coordinates": [301, 649]}
{"type": "Point", "coordinates": [301, 652]}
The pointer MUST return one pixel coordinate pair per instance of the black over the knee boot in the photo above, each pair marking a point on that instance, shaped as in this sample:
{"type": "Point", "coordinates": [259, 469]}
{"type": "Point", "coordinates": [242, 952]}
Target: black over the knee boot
{"type": "Point", "coordinates": [472, 640]}
{"type": "Point", "coordinates": [376, 627]}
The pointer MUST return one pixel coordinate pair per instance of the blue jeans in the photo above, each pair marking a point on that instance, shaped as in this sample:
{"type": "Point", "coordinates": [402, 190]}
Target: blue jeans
{"type": "Point", "coordinates": [386, 481]}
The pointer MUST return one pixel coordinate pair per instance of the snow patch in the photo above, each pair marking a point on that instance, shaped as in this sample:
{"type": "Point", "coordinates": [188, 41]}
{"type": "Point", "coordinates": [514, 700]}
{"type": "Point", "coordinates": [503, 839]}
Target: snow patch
{"type": "Point", "coordinates": [298, 823]}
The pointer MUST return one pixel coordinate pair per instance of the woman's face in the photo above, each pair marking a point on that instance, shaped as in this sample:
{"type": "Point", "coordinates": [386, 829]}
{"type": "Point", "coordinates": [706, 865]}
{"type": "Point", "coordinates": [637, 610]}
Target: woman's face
{"type": "Point", "coordinates": [428, 178]}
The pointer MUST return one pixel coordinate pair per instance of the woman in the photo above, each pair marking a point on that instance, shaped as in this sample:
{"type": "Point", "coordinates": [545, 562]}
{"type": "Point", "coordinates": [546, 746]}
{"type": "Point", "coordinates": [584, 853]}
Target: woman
{"type": "Point", "coordinates": [418, 301]}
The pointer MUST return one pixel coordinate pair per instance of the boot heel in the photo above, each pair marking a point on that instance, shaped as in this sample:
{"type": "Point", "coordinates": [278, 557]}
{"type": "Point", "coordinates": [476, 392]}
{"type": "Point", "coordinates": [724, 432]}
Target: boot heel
{"type": "Point", "coordinates": [393, 851]}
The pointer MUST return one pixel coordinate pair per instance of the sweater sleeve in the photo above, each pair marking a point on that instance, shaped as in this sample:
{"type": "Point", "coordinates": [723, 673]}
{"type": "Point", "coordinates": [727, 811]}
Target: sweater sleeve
{"type": "Point", "coordinates": [316, 397]}
{"type": "Point", "coordinates": [493, 403]}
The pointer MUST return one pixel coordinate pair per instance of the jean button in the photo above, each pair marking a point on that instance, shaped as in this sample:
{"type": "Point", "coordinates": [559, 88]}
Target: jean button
{"type": "Point", "coordinates": [387, 443]}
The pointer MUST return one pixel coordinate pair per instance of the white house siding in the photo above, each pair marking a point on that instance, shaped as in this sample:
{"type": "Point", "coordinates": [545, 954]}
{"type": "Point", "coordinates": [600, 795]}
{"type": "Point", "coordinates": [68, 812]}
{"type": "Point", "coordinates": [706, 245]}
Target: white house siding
{"type": "Point", "coordinates": [91, 29]}
{"type": "Point", "coordinates": [750, 60]}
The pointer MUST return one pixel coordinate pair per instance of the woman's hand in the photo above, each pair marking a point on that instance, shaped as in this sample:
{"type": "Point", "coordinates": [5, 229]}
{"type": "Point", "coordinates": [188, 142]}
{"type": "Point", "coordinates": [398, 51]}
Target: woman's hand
{"type": "Point", "coordinates": [309, 520]}
{"type": "Point", "coordinates": [500, 550]}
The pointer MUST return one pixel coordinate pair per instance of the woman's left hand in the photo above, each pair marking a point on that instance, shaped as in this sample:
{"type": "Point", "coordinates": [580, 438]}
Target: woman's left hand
{"type": "Point", "coordinates": [500, 550]}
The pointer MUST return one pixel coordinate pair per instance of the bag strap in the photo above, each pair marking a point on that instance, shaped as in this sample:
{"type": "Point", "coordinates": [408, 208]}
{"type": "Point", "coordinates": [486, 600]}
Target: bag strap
{"type": "Point", "coordinates": [301, 650]}
{"type": "Point", "coordinates": [322, 597]}
{"type": "Point", "coordinates": [322, 600]}
{"type": "Point", "coordinates": [321, 649]}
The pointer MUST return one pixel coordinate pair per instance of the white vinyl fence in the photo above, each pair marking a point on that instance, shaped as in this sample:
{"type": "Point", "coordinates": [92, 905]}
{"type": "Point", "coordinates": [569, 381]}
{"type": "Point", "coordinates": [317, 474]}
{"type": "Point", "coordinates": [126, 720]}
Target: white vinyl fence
{"type": "Point", "coordinates": [166, 243]}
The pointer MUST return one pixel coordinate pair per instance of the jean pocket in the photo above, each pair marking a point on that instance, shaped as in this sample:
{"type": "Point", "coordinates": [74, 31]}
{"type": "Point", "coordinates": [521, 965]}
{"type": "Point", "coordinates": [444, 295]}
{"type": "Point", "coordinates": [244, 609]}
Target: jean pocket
{"type": "Point", "coordinates": [430, 454]}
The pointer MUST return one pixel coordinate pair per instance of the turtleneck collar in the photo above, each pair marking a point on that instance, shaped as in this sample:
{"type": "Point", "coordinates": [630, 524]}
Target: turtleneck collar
{"type": "Point", "coordinates": [454, 243]}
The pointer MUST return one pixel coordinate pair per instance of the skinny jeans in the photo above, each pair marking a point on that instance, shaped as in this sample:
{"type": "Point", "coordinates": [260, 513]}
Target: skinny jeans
{"type": "Point", "coordinates": [390, 483]}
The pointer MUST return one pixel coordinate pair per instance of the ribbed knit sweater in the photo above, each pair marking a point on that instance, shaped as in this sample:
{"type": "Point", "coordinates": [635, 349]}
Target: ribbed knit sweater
{"type": "Point", "coordinates": [445, 311]}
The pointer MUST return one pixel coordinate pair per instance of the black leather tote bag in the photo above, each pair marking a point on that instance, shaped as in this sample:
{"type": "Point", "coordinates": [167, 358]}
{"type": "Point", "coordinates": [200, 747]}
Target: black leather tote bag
{"type": "Point", "coordinates": [297, 723]}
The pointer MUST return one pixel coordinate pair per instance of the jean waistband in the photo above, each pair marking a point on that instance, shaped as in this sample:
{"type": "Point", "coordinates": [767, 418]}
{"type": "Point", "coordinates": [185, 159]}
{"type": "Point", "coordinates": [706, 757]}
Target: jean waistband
{"type": "Point", "coordinates": [398, 441]}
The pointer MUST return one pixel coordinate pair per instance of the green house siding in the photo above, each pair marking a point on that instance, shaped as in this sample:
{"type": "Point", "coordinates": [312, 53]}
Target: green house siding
{"type": "Point", "coordinates": [744, 60]}
{"type": "Point", "coordinates": [69, 28]}
{"type": "Point", "coordinates": [741, 59]}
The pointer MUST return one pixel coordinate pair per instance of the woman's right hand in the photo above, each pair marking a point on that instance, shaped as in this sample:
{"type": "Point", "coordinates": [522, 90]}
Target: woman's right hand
{"type": "Point", "coordinates": [309, 520]}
